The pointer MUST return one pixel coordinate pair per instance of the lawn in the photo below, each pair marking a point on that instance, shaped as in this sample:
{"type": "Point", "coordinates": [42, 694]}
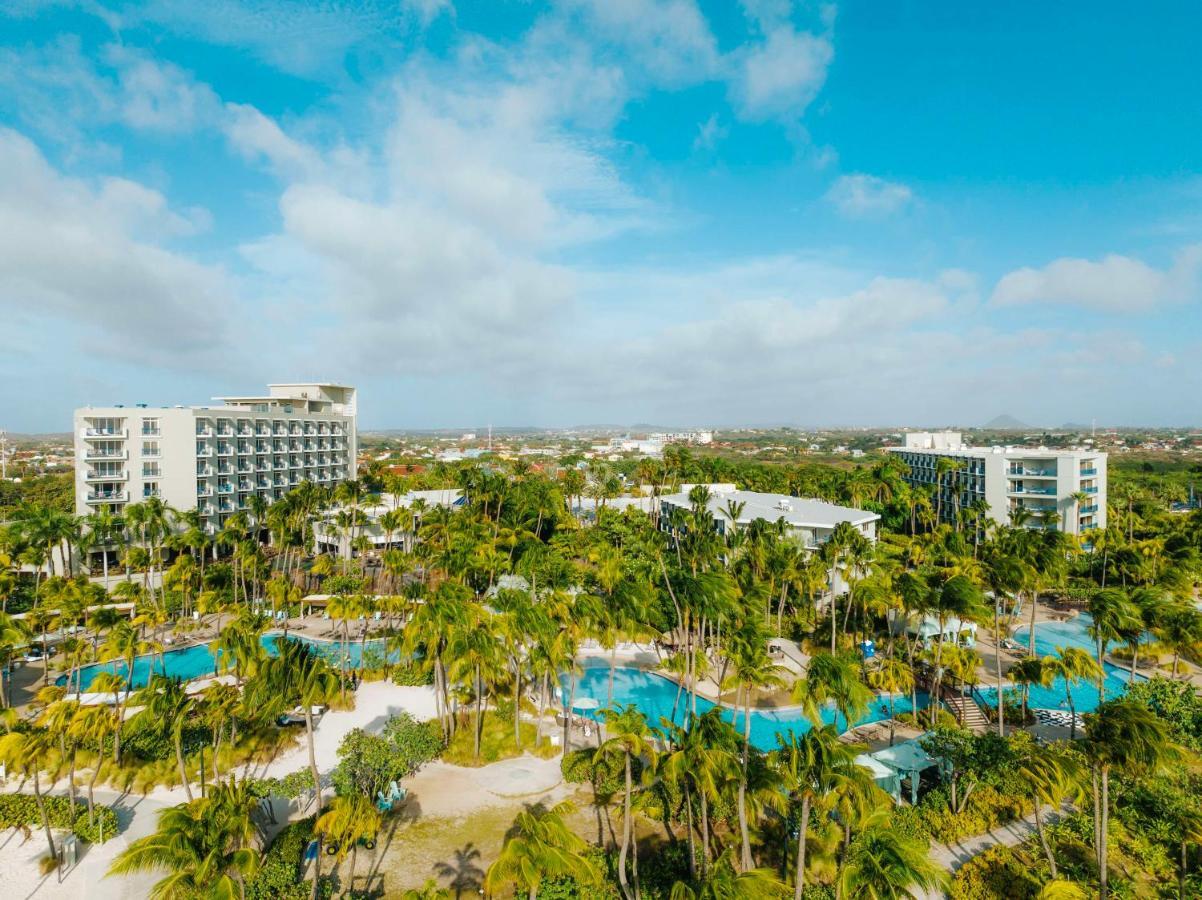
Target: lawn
{"type": "Point", "coordinates": [496, 742]}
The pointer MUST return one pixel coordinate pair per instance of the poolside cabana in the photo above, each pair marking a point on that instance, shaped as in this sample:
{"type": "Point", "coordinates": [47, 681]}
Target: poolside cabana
{"type": "Point", "coordinates": [907, 759]}
{"type": "Point", "coordinates": [926, 629]}
{"type": "Point", "coordinates": [885, 777]}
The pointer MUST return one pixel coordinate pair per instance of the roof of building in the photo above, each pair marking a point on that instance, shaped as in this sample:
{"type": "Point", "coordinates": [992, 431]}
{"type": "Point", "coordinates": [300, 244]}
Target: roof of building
{"type": "Point", "coordinates": [1023, 452]}
{"type": "Point", "coordinates": [799, 512]}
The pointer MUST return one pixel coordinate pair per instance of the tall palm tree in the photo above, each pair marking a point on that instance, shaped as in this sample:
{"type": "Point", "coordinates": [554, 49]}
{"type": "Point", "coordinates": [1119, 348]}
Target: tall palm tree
{"type": "Point", "coordinates": [811, 767]}
{"type": "Point", "coordinates": [630, 738]}
{"type": "Point", "coordinates": [206, 846]}
{"type": "Point", "coordinates": [24, 753]}
{"type": "Point", "coordinates": [1072, 664]}
{"type": "Point", "coordinates": [539, 846]}
{"type": "Point", "coordinates": [1114, 615]}
{"type": "Point", "coordinates": [166, 706]}
{"type": "Point", "coordinates": [1028, 671]}
{"type": "Point", "coordinates": [1050, 776]}
{"type": "Point", "coordinates": [892, 677]}
{"type": "Point", "coordinates": [1125, 736]}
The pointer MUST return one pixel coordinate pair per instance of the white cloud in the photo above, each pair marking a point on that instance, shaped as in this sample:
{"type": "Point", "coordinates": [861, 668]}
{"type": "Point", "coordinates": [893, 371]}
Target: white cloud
{"type": "Point", "coordinates": [1112, 284]}
{"type": "Point", "coordinates": [79, 255]}
{"type": "Point", "coordinates": [709, 133]}
{"type": "Point", "coordinates": [779, 77]}
{"type": "Point", "coordinates": [866, 196]}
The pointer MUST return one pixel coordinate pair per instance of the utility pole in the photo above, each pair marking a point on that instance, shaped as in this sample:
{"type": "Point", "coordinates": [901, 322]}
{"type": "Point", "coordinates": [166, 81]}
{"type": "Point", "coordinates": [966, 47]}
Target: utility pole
{"type": "Point", "coordinates": [4, 455]}
{"type": "Point", "coordinates": [490, 437]}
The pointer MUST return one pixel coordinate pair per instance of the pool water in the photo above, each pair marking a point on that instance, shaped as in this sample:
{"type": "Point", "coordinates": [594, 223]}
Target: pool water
{"type": "Point", "coordinates": [198, 661]}
{"type": "Point", "coordinates": [654, 695]}
{"type": "Point", "coordinates": [1072, 633]}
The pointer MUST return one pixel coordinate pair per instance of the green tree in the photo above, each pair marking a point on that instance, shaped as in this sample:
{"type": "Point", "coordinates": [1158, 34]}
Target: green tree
{"type": "Point", "coordinates": [630, 738]}
{"type": "Point", "coordinates": [540, 846]}
{"type": "Point", "coordinates": [883, 864]}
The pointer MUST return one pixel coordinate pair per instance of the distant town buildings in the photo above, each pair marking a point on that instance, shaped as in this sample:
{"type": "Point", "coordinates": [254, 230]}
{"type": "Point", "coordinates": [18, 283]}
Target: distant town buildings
{"type": "Point", "coordinates": [1064, 489]}
{"type": "Point", "coordinates": [214, 459]}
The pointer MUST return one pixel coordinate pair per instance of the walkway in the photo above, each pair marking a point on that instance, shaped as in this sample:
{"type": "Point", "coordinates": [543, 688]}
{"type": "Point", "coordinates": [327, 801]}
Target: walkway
{"type": "Point", "coordinates": [951, 857]}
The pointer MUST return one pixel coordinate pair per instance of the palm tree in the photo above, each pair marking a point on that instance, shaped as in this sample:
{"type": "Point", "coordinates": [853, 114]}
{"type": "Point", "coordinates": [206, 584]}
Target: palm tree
{"type": "Point", "coordinates": [24, 753]}
{"type": "Point", "coordinates": [725, 882]}
{"type": "Point", "coordinates": [1028, 671]}
{"type": "Point", "coordinates": [811, 767]}
{"type": "Point", "coordinates": [1113, 616]}
{"type": "Point", "coordinates": [1050, 775]}
{"type": "Point", "coordinates": [94, 724]}
{"type": "Point", "coordinates": [1072, 664]}
{"type": "Point", "coordinates": [892, 677]}
{"type": "Point", "coordinates": [206, 846]}
{"type": "Point", "coordinates": [166, 705]}
{"type": "Point", "coordinates": [539, 846]}
{"type": "Point", "coordinates": [883, 864]}
{"type": "Point", "coordinates": [348, 820]}
{"type": "Point", "coordinates": [1125, 736]}
{"type": "Point", "coordinates": [630, 738]}
{"type": "Point", "coordinates": [833, 679]}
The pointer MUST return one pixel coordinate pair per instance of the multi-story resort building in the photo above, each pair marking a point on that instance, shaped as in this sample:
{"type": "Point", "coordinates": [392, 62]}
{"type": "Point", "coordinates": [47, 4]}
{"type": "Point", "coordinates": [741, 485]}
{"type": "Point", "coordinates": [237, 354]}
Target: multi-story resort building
{"type": "Point", "coordinates": [1065, 489]}
{"type": "Point", "coordinates": [214, 459]}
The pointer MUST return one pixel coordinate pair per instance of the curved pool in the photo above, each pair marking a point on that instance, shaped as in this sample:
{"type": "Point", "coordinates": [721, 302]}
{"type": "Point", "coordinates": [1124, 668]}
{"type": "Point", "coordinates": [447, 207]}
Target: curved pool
{"type": "Point", "coordinates": [1071, 633]}
{"type": "Point", "coordinates": [198, 661]}
{"type": "Point", "coordinates": [656, 695]}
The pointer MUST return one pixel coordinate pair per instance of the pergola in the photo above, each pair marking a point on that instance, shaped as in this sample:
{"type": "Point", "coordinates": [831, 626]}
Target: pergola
{"type": "Point", "coordinates": [906, 759]}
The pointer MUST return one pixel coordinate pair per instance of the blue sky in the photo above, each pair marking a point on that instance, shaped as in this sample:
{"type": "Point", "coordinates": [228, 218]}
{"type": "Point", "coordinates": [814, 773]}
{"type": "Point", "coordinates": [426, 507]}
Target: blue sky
{"type": "Point", "coordinates": [669, 211]}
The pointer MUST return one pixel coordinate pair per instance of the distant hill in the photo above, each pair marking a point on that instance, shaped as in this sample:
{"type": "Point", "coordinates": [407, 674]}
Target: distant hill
{"type": "Point", "coordinates": [1005, 423]}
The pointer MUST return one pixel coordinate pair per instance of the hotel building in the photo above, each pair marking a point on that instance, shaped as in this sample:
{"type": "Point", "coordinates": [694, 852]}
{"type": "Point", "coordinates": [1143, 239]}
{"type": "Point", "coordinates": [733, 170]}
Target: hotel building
{"type": "Point", "coordinates": [1065, 489]}
{"type": "Point", "coordinates": [215, 458]}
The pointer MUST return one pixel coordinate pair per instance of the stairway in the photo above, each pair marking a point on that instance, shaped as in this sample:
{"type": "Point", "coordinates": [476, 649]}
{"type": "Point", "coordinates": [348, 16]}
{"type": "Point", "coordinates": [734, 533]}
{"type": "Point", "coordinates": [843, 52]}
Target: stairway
{"type": "Point", "coordinates": [966, 711]}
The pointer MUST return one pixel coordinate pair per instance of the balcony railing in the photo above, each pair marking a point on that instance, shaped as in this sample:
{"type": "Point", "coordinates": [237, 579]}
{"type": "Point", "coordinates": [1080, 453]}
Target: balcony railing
{"type": "Point", "coordinates": [107, 433]}
{"type": "Point", "coordinates": [108, 496]}
{"type": "Point", "coordinates": [204, 490]}
{"type": "Point", "coordinates": [104, 454]}
{"type": "Point", "coordinates": [1044, 492]}
{"type": "Point", "coordinates": [1089, 509]}
{"type": "Point", "coordinates": [225, 488]}
{"type": "Point", "coordinates": [204, 432]}
{"type": "Point", "coordinates": [106, 476]}
{"type": "Point", "coordinates": [1032, 473]}
{"type": "Point", "coordinates": [1086, 472]}
{"type": "Point", "coordinates": [1090, 490]}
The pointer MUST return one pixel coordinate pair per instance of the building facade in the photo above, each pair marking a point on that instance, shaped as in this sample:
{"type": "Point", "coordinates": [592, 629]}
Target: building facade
{"type": "Point", "coordinates": [1064, 489]}
{"type": "Point", "coordinates": [214, 459]}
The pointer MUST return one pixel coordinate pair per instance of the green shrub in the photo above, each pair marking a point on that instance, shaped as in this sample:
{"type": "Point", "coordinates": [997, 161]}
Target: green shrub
{"type": "Point", "coordinates": [607, 776]}
{"type": "Point", "coordinates": [280, 874]}
{"type": "Point", "coordinates": [21, 810]}
{"type": "Point", "coordinates": [994, 874]}
{"type": "Point", "coordinates": [986, 809]}
{"type": "Point", "coordinates": [412, 674]}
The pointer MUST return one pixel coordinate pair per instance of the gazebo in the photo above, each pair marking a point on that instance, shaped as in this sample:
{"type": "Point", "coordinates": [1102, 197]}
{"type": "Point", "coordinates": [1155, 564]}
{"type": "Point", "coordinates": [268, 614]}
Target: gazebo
{"type": "Point", "coordinates": [904, 759]}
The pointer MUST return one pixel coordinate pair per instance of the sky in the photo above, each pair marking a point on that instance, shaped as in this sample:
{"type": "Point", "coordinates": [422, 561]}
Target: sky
{"type": "Point", "coordinates": [681, 212]}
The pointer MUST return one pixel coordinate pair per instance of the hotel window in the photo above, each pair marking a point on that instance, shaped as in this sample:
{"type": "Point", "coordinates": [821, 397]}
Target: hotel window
{"type": "Point", "coordinates": [150, 427]}
{"type": "Point", "coordinates": [151, 470]}
{"type": "Point", "coordinates": [150, 448]}
{"type": "Point", "coordinates": [150, 489]}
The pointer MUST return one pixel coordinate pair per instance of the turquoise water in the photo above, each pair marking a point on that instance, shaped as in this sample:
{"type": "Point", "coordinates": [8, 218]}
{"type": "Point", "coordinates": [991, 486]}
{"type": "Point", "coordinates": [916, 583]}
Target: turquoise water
{"type": "Point", "coordinates": [198, 661]}
{"type": "Point", "coordinates": [654, 695]}
{"type": "Point", "coordinates": [1073, 633]}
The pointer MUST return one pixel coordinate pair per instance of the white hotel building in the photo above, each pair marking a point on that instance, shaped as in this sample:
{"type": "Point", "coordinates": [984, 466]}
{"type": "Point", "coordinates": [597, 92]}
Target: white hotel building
{"type": "Point", "coordinates": [1011, 478]}
{"type": "Point", "coordinates": [215, 458]}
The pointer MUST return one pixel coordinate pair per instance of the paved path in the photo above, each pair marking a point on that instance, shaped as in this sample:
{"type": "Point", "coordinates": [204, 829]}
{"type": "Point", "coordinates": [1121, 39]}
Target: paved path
{"type": "Point", "coordinates": [952, 856]}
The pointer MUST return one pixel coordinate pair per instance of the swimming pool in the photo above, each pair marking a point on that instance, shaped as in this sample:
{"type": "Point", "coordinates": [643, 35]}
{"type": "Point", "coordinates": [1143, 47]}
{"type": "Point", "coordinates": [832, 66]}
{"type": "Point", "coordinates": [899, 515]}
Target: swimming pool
{"type": "Point", "coordinates": [1072, 633]}
{"type": "Point", "coordinates": [198, 661]}
{"type": "Point", "coordinates": [655, 695]}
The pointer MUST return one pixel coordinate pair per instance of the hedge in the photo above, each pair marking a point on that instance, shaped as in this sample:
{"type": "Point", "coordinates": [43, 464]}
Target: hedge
{"type": "Point", "coordinates": [21, 810]}
{"type": "Point", "coordinates": [993, 873]}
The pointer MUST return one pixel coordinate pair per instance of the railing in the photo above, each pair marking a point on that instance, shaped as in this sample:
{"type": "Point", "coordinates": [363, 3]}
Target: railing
{"type": "Point", "coordinates": [151, 453]}
{"type": "Point", "coordinates": [1045, 492]}
{"type": "Point", "coordinates": [204, 490]}
{"type": "Point", "coordinates": [148, 433]}
{"type": "Point", "coordinates": [105, 476]}
{"type": "Point", "coordinates": [108, 496]}
{"type": "Point", "coordinates": [1085, 472]}
{"type": "Point", "coordinates": [1033, 473]}
{"type": "Point", "coordinates": [1091, 490]}
{"type": "Point", "coordinates": [1089, 509]}
{"type": "Point", "coordinates": [225, 488]}
{"type": "Point", "coordinates": [105, 454]}
{"type": "Point", "coordinates": [204, 451]}
{"type": "Point", "coordinates": [204, 432]}
{"type": "Point", "coordinates": [106, 433]}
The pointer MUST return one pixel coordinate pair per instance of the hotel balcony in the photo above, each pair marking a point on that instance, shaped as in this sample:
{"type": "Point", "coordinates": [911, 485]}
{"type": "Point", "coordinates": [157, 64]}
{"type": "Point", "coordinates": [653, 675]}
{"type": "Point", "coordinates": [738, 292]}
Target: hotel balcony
{"type": "Point", "coordinates": [106, 476]}
{"type": "Point", "coordinates": [1044, 492]}
{"type": "Point", "coordinates": [1085, 473]}
{"type": "Point", "coordinates": [226, 488]}
{"type": "Point", "coordinates": [104, 454]}
{"type": "Point", "coordinates": [204, 451]}
{"type": "Point", "coordinates": [1085, 510]}
{"type": "Point", "coordinates": [1090, 490]}
{"type": "Point", "coordinates": [204, 431]}
{"type": "Point", "coordinates": [113, 433]}
{"type": "Point", "coordinates": [1032, 473]}
{"type": "Point", "coordinates": [107, 496]}
{"type": "Point", "coordinates": [204, 490]}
